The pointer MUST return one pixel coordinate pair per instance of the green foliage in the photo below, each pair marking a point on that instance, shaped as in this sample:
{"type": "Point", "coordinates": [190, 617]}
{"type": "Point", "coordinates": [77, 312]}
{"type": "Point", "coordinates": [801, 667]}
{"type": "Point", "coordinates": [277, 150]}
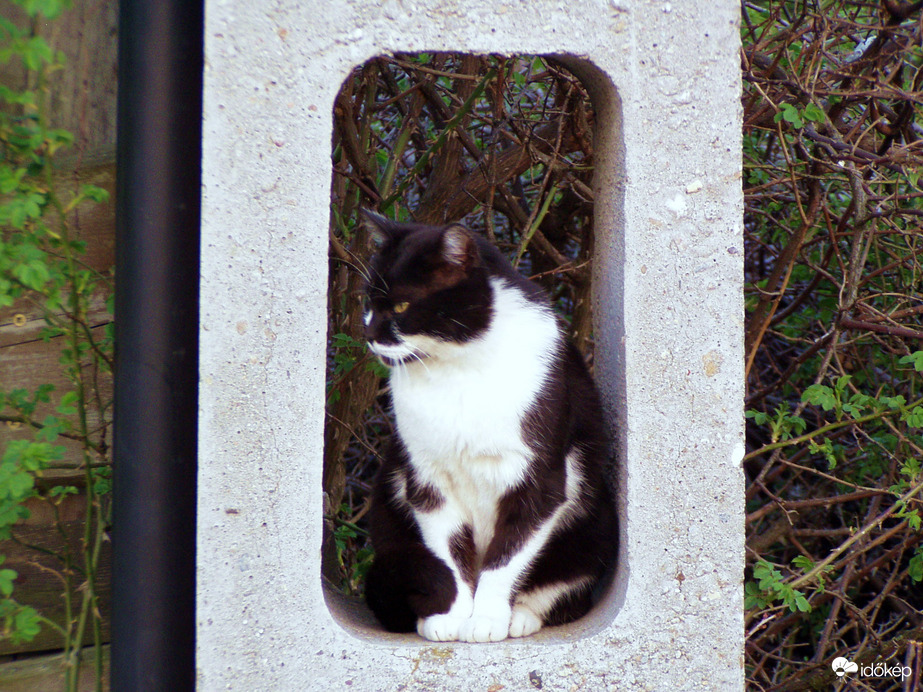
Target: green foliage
{"type": "Point", "coordinates": [826, 449]}
{"type": "Point", "coordinates": [915, 566]}
{"type": "Point", "coordinates": [782, 423]}
{"type": "Point", "coordinates": [20, 623]}
{"type": "Point", "coordinates": [354, 555]}
{"type": "Point", "coordinates": [916, 358]}
{"type": "Point", "coordinates": [771, 587]}
{"type": "Point", "coordinates": [832, 113]}
{"type": "Point", "coordinates": [21, 462]}
{"type": "Point", "coordinates": [41, 265]}
{"type": "Point", "coordinates": [49, 8]}
{"type": "Point", "coordinates": [347, 353]}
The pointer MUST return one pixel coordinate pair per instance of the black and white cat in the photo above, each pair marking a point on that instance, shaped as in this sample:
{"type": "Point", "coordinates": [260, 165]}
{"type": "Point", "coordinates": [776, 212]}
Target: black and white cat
{"type": "Point", "coordinates": [491, 515]}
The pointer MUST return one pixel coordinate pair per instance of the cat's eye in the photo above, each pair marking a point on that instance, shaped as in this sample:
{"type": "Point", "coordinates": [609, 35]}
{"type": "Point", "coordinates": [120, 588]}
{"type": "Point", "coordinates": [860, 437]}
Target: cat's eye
{"type": "Point", "coordinates": [400, 307]}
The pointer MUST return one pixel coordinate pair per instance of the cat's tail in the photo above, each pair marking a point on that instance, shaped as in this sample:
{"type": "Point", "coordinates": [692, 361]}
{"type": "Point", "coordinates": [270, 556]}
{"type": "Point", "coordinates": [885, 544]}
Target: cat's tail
{"type": "Point", "coordinates": [404, 585]}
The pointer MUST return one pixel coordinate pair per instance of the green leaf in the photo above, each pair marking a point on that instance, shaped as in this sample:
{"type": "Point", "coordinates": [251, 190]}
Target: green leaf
{"type": "Point", "coordinates": [759, 417]}
{"type": "Point", "coordinates": [92, 192]}
{"type": "Point", "coordinates": [67, 407]}
{"type": "Point", "coordinates": [813, 113]}
{"type": "Point", "coordinates": [26, 625]}
{"type": "Point", "coordinates": [915, 567]}
{"type": "Point", "coordinates": [893, 402]}
{"type": "Point", "coordinates": [804, 563]}
{"type": "Point", "coordinates": [36, 52]}
{"type": "Point", "coordinates": [913, 417]}
{"type": "Point", "coordinates": [16, 486]}
{"type": "Point", "coordinates": [33, 275]}
{"type": "Point", "coordinates": [43, 393]}
{"type": "Point", "coordinates": [52, 426]}
{"type": "Point", "coordinates": [62, 490]}
{"type": "Point", "coordinates": [916, 358]}
{"type": "Point", "coordinates": [911, 469]}
{"type": "Point", "coordinates": [377, 368]}
{"type": "Point", "coordinates": [102, 480]}
{"type": "Point", "coordinates": [6, 581]}
{"type": "Point", "coordinates": [827, 449]}
{"type": "Point", "coordinates": [820, 395]}
{"type": "Point", "coordinates": [790, 114]}
{"type": "Point", "coordinates": [31, 456]}
{"type": "Point", "coordinates": [50, 8]}
{"type": "Point", "coordinates": [913, 520]}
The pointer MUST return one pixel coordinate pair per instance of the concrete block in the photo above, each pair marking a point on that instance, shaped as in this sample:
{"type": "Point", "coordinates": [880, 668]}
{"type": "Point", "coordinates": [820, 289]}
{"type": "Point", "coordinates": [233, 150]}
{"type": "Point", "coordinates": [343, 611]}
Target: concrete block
{"type": "Point", "coordinates": [668, 298]}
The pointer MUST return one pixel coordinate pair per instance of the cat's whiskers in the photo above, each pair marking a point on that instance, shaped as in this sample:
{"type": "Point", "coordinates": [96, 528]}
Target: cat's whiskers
{"type": "Point", "coordinates": [422, 362]}
{"type": "Point", "coordinates": [358, 266]}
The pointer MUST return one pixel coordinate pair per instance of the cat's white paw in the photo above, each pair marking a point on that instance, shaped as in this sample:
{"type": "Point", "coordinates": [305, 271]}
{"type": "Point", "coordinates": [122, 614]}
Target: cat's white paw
{"type": "Point", "coordinates": [482, 628]}
{"type": "Point", "coordinates": [439, 628]}
{"type": "Point", "coordinates": [524, 622]}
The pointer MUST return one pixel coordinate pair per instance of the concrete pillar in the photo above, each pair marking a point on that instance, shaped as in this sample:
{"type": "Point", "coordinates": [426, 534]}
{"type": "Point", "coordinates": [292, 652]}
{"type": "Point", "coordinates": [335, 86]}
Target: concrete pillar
{"type": "Point", "coordinates": [665, 82]}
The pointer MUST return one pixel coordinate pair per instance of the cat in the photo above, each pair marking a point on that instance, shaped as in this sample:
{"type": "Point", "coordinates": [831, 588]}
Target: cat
{"type": "Point", "coordinates": [491, 516]}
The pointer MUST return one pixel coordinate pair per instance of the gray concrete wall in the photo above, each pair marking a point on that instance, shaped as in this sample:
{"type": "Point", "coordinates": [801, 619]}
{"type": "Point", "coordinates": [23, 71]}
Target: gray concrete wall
{"type": "Point", "coordinates": [668, 289]}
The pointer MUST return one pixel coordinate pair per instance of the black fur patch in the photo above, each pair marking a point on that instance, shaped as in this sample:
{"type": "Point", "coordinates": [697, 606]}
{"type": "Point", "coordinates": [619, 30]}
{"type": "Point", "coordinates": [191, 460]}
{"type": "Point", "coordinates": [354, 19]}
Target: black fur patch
{"type": "Point", "coordinates": [422, 497]}
{"type": "Point", "coordinates": [404, 585]}
{"type": "Point", "coordinates": [462, 550]}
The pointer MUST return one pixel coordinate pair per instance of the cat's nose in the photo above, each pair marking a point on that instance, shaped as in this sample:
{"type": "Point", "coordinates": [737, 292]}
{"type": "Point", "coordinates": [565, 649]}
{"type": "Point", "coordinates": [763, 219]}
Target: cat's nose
{"type": "Point", "coordinates": [378, 328]}
{"type": "Point", "coordinates": [372, 328]}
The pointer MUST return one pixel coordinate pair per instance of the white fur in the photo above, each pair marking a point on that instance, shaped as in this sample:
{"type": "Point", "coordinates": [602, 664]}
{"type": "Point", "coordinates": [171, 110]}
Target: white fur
{"type": "Point", "coordinates": [459, 409]}
{"type": "Point", "coordinates": [492, 615]}
{"type": "Point", "coordinates": [531, 607]}
{"type": "Point", "coordinates": [467, 401]}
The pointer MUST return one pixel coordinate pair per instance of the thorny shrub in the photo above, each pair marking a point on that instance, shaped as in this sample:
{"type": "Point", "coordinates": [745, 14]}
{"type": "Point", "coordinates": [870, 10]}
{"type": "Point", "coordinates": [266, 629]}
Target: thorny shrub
{"type": "Point", "coordinates": [833, 152]}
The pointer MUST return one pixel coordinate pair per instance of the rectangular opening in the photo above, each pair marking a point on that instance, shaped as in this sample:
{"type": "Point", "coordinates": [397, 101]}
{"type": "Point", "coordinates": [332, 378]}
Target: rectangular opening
{"type": "Point", "coordinates": [513, 148]}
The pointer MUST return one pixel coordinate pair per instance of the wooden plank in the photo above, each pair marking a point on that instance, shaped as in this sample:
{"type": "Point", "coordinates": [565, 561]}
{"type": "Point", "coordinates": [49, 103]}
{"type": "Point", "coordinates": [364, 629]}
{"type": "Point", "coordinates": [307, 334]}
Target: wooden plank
{"type": "Point", "coordinates": [40, 583]}
{"type": "Point", "coordinates": [83, 94]}
{"type": "Point", "coordinates": [26, 360]}
{"type": "Point", "coordinates": [82, 100]}
{"type": "Point", "coordinates": [40, 673]}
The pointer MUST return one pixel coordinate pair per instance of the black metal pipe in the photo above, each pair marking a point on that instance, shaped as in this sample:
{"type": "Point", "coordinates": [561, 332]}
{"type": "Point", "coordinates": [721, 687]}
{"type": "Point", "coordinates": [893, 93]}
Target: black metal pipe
{"type": "Point", "coordinates": [156, 318]}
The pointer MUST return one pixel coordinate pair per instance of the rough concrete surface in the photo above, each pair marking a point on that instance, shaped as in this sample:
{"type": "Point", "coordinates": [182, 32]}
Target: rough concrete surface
{"type": "Point", "coordinates": [664, 77]}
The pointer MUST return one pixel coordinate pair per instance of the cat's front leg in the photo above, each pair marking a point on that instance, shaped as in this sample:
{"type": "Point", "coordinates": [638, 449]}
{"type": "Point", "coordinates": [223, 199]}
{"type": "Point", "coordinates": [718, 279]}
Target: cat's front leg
{"type": "Point", "coordinates": [506, 564]}
{"type": "Point", "coordinates": [449, 539]}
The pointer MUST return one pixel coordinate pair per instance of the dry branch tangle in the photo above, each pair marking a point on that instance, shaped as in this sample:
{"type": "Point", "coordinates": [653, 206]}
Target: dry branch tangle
{"type": "Point", "coordinates": [833, 152]}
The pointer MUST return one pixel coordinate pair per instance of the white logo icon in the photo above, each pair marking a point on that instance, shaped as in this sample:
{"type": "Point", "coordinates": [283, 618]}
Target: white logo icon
{"type": "Point", "coordinates": [841, 666]}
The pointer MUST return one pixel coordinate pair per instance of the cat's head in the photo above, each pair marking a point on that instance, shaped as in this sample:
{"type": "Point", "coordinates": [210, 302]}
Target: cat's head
{"type": "Point", "coordinates": [428, 292]}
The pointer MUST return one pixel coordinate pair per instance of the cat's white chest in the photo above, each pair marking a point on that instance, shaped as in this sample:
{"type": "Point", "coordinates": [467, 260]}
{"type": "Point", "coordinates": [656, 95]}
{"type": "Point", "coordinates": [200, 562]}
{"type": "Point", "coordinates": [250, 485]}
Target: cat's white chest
{"type": "Point", "coordinates": [460, 412]}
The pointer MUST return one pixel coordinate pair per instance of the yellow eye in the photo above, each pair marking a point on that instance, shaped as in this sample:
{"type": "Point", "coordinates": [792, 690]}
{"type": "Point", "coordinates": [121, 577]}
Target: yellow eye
{"type": "Point", "coordinates": [401, 307]}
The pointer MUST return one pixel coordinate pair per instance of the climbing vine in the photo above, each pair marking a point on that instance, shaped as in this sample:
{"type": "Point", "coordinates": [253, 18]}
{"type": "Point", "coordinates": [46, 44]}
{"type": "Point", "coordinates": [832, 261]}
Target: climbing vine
{"type": "Point", "coordinates": [58, 438]}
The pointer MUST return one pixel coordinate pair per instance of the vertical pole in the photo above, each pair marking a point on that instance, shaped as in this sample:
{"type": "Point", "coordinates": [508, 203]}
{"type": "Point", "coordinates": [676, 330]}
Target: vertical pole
{"type": "Point", "coordinates": [156, 313]}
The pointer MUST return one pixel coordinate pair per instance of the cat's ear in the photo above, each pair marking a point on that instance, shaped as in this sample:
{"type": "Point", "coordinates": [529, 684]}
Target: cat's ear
{"type": "Point", "coordinates": [459, 247]}
{"type": "Point", "coordinates": [380, 228]}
